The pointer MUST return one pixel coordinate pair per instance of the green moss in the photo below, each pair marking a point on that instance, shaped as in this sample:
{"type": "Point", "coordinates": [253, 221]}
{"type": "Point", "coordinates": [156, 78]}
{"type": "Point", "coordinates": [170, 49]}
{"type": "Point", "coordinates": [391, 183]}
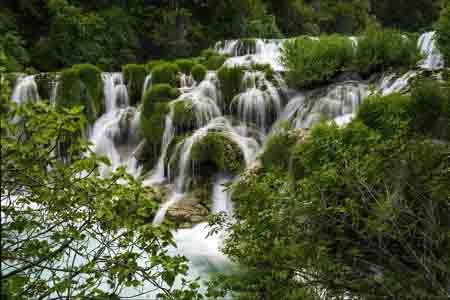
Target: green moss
{"type": "Point", "coordinates": [91, 76]}
{"type": "Point", "coordinates": [152, 64]}
{"type": "Point", "coordinates": [184, 116]}
{"type": "Point", "coordinates": [199, 72]}
{"type": "Point", "coordinates": [215, 62]}
{"type": "Point", "coordinates": [158, 93]}
{"type": "Point", "coordinates": [44, 82]}
{"type": "Point", "coordinates": [230, 82]}
{"type": "Point", "coordinates": [72, 91]}
{"type": "Point", "coordinates": [216, 153]}
{"type": "Point", "coordinates": [165, 73]}
{"type": "Point", "coordinates": [246, 46]}
{"type": "Point", "coordinates": [185, 65]}
{"type": "Point", "coordinates": [134, 76]}
{"type": "Point", "coordinates": [266, 68]}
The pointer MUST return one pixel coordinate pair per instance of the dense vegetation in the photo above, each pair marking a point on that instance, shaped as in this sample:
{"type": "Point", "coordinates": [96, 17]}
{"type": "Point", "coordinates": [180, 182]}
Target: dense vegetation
{"type": "Point", "coordinates": [364, 210]}
{"type": "Point", "coordinates": [50, 35]}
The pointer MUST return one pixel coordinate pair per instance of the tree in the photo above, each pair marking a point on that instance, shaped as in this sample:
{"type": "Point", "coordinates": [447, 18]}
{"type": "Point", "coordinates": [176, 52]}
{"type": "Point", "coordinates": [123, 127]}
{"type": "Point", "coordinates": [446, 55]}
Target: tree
{"type": "Point", "coordinates": [66, 232]}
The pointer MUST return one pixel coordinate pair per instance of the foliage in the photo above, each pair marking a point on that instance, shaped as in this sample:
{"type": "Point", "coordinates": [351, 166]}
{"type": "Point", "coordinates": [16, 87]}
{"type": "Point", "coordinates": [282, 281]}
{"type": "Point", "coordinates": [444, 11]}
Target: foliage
{"type": "Point", "coordinates": [214, 62]}
{"type": "Point", "coordinates": [379, 49]}
{"type": "Point", "coordinates": [216, 153]}
{"type": "Point", "coordinates": [198, 72]}
{"type": "Point", "coordinates": [66, 232]}
{"type": "Point", "coordinates": [230, 79]}
{"type": "Point", "coordinates": [310, 62]}
{"type": "Point", "coordinates": [341, 226]}
{"type": "Point", "coordinates": [185, 65]}
{"type": "Point", "coordinates": [134, 76]}
{"type": "Point", "coordinates": [277, 152]}
{"type": "Point", "coordinates": [153, 63]}
{"type": "Point", "coordinates": [443, 33]}
{"type": "Point", "coordinates": [12, 44]}
{"type": "Point", "coordinates": [165, 73]}
{"type": "Point", "coordinates": [82, 85]}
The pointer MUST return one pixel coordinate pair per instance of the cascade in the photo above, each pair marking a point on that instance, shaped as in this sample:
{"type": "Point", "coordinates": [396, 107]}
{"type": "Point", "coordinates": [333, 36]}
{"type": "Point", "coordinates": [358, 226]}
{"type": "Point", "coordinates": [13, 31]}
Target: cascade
{"type": "Point", "coordinates": [147, 84]}
{"type": "Point", "coordinates": [25, 90]}
{"type": "Point", "coordinates": [114, 134]}
{"type": "Point", "coordinates": [433, 58]}
{"type": "Point", "coordinates": [342, 99]}
{"type": "Point", "coordinates": [260, 103]}
{"type": "Point", "coordinates": [390, 83]}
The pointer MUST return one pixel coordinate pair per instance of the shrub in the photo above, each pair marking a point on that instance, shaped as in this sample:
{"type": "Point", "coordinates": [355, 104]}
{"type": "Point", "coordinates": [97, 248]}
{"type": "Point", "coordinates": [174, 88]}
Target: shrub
{"type": "Point", "coordinates": [390, 114]}
{"type": "Point", "coordinates": [230, 82]}
{"type": "Point", "coordinates": [379, 49]}
{"type": "Point", "coordinates": [185, 65]}
{"type": "Point", "coordinates": [310, 62]}
{"type": "Point", "coordinates": [134, 76]}
{"type": "Point", "coordinates": [82, 85]}
{"type": "Point", "coordinates": [165, 73]}
{"type": "Point", "coordinates": [443, 33]}
{"type": "Point", "coordinates": [199, 72]}
{"type": "Point", "coordinates": [217, 153]}
{"type": "Point", "coordinates": [277, 152]}
{"type": "Point", "coordinates": [266, 68]}
{"type": "Point", "coordinates": [430, 108]}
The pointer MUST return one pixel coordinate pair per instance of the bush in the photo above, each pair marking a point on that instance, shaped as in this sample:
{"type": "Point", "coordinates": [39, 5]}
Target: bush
{"type": "Point", "coordinates": [230, 82]}
{"type": "Point", "coordinates": [277, 153]}
{"type": "Point", "coordinates": [430, 108]}
{"type": "Point", "coordinates": [134, 76]}
{"type": "Point", "coordinates": [185, 65]}
{"type": "Point", "coordinates": [82, 85]}
{"type": "Point", "coordinates": [390, 114]}
{"type": "Point", "coordinates": [165, 73]}
{"type": "Point", "coordinates": [311, 62]}
{"type": "Point", "coordinates": [379, 49]}
{"type": "Point", "coordinates": [199, 72]}
{"type": "Point", "coordinates": [158, 93]}
{"type": "Point", "coordinates": [216, 153]}
{"type": "Point", "coordinates": [443, 33]}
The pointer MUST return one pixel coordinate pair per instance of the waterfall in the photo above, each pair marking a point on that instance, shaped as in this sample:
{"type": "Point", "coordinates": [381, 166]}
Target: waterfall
{"type": "Point", "coordinates": [306, 109]}
{"type": "Point", "coordinates": [114, 134]}
{"type": "Point", "coordinates": [391, 84]}
{"type": "Point", "coordinates": [25, 90]}
{"type": "Point", "coordinates": [147, 84]}
{"type": "Point", "coordinates": [433, 58]}
{"type": "Point", "coordinates": [260, 103]}
{"type": "Point", "coordinates": [221, 197]}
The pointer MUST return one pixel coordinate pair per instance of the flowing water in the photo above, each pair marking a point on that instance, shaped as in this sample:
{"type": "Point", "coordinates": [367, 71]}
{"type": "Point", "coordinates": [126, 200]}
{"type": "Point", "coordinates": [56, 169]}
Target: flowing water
{"type": "Point", "coordinates": [257, 111]}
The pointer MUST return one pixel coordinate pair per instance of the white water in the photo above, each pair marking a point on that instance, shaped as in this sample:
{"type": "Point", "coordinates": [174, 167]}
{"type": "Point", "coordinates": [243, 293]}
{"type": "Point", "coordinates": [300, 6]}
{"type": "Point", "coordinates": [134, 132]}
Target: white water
{"type": "Point", "coordinates": [433, 58]}
{"type": "Point", "coordinates": [260, 103]}
{"type": "Point", "coordinates": [114, 134]}
{"type": "Point", "coordinates": [25, 90]}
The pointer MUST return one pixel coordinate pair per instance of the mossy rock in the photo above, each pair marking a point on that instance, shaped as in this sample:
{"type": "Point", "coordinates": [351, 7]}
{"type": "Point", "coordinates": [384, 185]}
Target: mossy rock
{"type": "Point", "coordinates": [158, 93]}
{"type": "Point", "coordinates": [266, 69]}
{"type": "Point", "coordinates": [215, 62]}
{"type": "Point", "coordinates": [184, 119]}
{"type": "Point", "coordinates": [153, 63]}
{"type": "Point", "coordinates": [230, 82]}
{"type": "Point", "coordinates": [82, 85]}
{"type": "Point", "coordinates": [45, 82]}
{"type": "Point", "coordinates": [134, 76]}
{"type": "Point", "coordinates": [199, 72]}
{"type": "Point", "coordinates": [165, 73]}
{"type": "Point", "coordinates": [185, 65]}
{"type": "Point", "coordinates": [215, 153]}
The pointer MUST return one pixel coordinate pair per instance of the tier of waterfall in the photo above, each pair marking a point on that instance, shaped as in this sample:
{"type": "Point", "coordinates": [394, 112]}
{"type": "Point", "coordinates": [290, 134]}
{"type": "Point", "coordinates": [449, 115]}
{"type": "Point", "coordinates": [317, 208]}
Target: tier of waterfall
{"type": "Point", "coordinates": [433, 58]}
{"type": "Point", "coordinates": [25, 90]}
